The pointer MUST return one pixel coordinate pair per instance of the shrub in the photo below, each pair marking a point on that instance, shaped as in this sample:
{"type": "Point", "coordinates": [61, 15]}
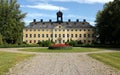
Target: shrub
{"type": "Point", "coordinates": [46, 43]}
{"type": "Point", "coordinates": [60, 47]}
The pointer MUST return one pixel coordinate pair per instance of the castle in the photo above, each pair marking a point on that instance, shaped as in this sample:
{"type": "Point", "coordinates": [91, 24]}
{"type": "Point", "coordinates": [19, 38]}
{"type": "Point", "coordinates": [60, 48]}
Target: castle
{"type": "Point", "coordinates": [59, 31]}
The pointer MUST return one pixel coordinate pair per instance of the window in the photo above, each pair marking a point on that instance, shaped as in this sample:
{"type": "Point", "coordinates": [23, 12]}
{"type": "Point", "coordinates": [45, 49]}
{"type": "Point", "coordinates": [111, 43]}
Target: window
{"type": "Point", "coordinates": [80, 30]}
{"type": "Point", "coordinates": [38, 29]}
{"type": "Point", "coordinates": [85, 35]}
{"type": "Point", "coordinates": [63, 41]}
{"type": "Point", "coordinates": [30, 35]}
{"type": "Point", "coordinates": [39, 35]}
{"type": "Point", "coordinates": [34, 29]}
{"type": "Point", "coordinates": [42, 29]}
{"type": "Point", "coordinates": [34, 41]}
{"type": "Point", "coordinates": [84, 41]}
{"type": "Point", "coordinates": [88, 41]}
{"type": "Point", "coordinates": [26, 29]}
{"type": "Point", "coordinates": [55, 29]}
{"type": "Point", "coordinates": [88, 29]}
{"type": "Point", "coordinates": [47, 35]}
{"type": "Point", "coordinates": [30, 29]}
{"type": "Point", "coordinates": [71, 35]}
{"type": "Point", "coordinates": [30, 41]}
{"type": "Point", "coordinates": [84, 29]}
{"type": "Point", "coordinates": [55, 41]}
{"type": "Point", "coordinates": [72, 30]}
{"type": "Point", "coordinates": [55, 35]}
{"type": "Point", "coordinates": [26, 35]}
{"type": "Point", "coordinates": [67, 35]}
{"type": "Point", "coordinates": [43, 35]}
{"type": "Point", "coordinates": [92, 35]}
{"type": "Point", "coordinates": [76, 30]}
{"type": "Point", "coordinates": [51, 35]}
{"type": "Point", "coordinates": [63, 30]}
{"type": "Point", "coordinates": [63, 35]}
{"type": "Point", "coordinates": [88, 35]}
{"type": "Point", "coordinates": [34, 35]}
{"type": "Point", "coordinates": [67, 29]}
{"type": "Point", "coordinates": [75, 35]}
{"type": "Point", "coordinates": [80, 35]}
{"type": "Point", "coordinates": [59, 35]}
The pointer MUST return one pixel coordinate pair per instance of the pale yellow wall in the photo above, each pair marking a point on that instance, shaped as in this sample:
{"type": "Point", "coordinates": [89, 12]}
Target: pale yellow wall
{"type": "Point", "coordinates": [53, 31]}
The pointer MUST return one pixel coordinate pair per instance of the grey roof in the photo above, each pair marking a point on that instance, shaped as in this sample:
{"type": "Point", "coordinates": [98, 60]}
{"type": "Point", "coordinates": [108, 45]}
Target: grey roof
{"type": "Point", "coordinates": [51, 25]}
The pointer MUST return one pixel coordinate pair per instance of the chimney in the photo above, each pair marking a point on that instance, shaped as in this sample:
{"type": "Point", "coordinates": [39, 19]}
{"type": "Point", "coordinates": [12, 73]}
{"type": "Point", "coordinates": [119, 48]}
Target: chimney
{"type": "Point", "coordinates": [69, 20]}
{"type": "Point", "coordinates": [84, 20]}
{"type": "Point", "coordinates": [50, 20]}
{"type": "Point", "coordinates": [34, 20]}
{"type": "Point", "coordinates": [77, 20]}
{"type": "Point", "coordinates": [41, 20]}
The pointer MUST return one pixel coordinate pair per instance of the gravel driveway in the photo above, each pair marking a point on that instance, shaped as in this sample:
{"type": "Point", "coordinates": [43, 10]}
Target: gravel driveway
{"type": "Point", "coordinates": [62, 64]}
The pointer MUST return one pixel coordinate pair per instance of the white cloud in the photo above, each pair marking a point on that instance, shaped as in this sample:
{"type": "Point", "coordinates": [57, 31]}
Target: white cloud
{"type": "Point", "coordinates": [78, 1]}
{"type": "Point", "coordinates": [85, 1]}
{"type": "Point", "coordinates": [45, 6]}
{"type": "Point", "coordinates": [39, 15]}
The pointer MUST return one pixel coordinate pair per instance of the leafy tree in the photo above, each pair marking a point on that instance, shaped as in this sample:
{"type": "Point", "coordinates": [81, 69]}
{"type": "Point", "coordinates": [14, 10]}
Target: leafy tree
{"type": "Point", "coordinates": [108, 23]}
{"type": "Point", "coordinates": [1, 39]}
{"type": "Point", "coordinates": [11, 22]}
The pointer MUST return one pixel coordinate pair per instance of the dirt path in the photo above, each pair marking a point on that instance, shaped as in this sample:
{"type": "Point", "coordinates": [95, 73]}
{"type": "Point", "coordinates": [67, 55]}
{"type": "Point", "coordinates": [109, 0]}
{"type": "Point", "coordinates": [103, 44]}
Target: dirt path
{"type": "Point", "coordinates": [61, 64]}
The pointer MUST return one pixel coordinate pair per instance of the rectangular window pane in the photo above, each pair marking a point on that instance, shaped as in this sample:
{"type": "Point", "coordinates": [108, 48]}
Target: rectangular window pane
{"type": "Point", "coordinates": [67, 35]}
{"type": "Point", "coordinates": [47, 35]}
{"type": "Point", "coordinates": [55, 35]}
{"type": "Point", "coordinates": [84, 35]}
{"type": "Point", "coordinates": [75, 35]}
{"type": "Point", "coordinates": [51, 35]}
{"type": "Point", "coordinates": [71, 35]}
{"type": "Point", "coordinates": [42, 35]}
{"type": "Point", "coordinates": [80, 35]}
{"type": "Point", "coordinates": [63, 35]}
{"type": "Point", "coordinates": [88, 35]}
{"type": "Point", "coordinates": [26, 35]}
{"type": "Point", "coordinates": [59, 35]}
{"type": "Point", "coordinates": [39, 35]}
{"type": "Point", "coordinates": [34, 35]}
{"type": "Point", "coordinates": [30, 35]}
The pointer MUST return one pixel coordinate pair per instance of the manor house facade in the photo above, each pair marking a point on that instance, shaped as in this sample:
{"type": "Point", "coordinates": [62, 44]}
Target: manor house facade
{"type": "Point", "coordinates": [59, 31]}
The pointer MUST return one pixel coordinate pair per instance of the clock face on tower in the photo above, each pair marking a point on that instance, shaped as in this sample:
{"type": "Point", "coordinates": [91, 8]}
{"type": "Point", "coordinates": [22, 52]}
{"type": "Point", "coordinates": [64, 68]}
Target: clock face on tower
{"type": "Point", "coordinates": [59, 16]}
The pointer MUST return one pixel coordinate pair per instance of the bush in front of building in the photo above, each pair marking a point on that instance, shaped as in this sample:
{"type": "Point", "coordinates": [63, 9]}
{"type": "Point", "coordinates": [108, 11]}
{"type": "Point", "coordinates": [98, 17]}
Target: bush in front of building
{"type": "Point", "coordinates": [46, 43]}
{"type": "Point", "coordinates": [74, 43]}
{"type": "Point", "coordinates": [60, 47]}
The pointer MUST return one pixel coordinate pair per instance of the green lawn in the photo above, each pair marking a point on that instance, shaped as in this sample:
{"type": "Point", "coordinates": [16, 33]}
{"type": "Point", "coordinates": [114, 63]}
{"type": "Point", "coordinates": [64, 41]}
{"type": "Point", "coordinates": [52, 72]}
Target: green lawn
{"type": "Point", "coordinates": [112, 59]}
{"type": "Point", "coordinates": [8, 60]}
{"type": "Point", "coordinates": [72, 50]}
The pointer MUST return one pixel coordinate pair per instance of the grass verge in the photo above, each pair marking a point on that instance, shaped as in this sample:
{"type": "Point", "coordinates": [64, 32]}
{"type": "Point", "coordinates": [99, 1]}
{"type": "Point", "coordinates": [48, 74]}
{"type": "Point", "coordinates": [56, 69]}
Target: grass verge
{"type": "Point", "coordinates": [8, 60]}
{"type": "Point", "coordinates": [71, 50]}
{"type": "Point", "coordinates": [112, 59]}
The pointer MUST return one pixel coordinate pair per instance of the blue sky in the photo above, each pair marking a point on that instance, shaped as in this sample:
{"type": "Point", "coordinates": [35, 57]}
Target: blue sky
{"type": "Point", "coordinates": [72, 9]}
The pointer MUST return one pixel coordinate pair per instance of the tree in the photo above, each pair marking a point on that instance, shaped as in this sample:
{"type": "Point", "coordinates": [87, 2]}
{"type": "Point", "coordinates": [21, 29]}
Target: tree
{"type": "Point", "coordinates": [11, 22]}
{"type": "Point", "coordinates": [108, 23]}
{"type": "Point", "coordinates": [1, 40]}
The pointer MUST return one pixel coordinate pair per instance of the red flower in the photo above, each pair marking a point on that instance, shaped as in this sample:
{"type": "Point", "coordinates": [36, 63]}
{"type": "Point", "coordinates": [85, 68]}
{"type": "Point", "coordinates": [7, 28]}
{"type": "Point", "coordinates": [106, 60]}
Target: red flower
{"type": "Point", "coordinates": [60, 45]}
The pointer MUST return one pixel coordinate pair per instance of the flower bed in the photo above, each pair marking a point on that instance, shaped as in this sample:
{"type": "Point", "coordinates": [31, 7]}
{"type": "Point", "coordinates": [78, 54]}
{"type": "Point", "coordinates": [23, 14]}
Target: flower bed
{"type": "Point", "coordinates": [60, 47]}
